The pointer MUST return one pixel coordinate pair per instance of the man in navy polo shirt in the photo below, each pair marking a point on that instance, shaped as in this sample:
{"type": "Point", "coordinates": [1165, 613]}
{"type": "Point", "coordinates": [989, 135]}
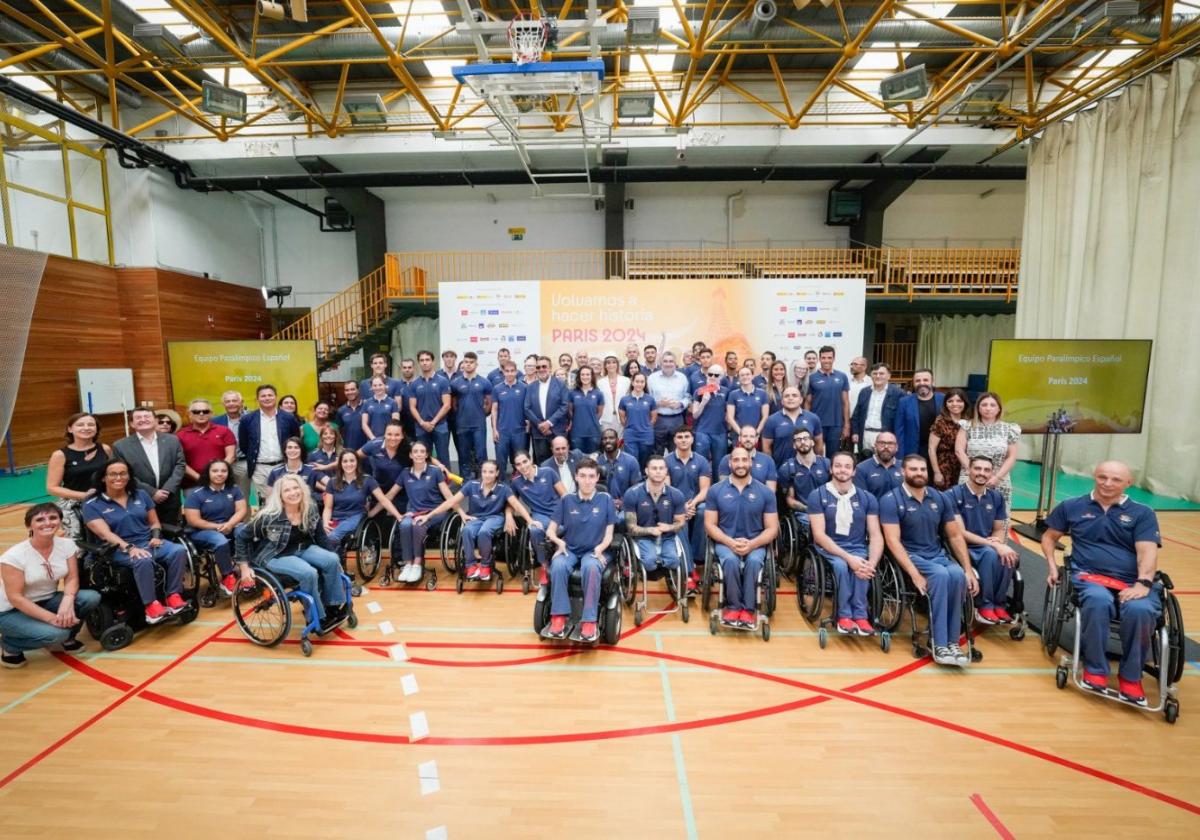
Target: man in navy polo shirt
{"type": "Point", "coordinates": [746, 405]}
{"type": "Point", "coordinates": [1114, 556]}
{"type": "Point", "coordinates": [582, 530]}
{"type": "Point", "coordinates": [829, 399]}
{"type": "Point", "coordinates": [381, 365]}
{"type": "Point", "coordinates": [914, 516]}
{"type": "Point", "coordinates": [691, 475]}
{"type": "Point", "coordinates": [781, 427]}
{"type": "Point", "coordinates": [472, 403]}
{"type": "Point", "coordinates": [618, 469]}
{"type": "Point", "coordinates": [654, 513]}
{"type": "Point", "coordinates": [508, 418]}
{"type": "Point", "coordinates": [697, 372]}
{"type": "Point", "coordinates": [741, 519]}
{"type": "Point", "coordinates": [429, 402]}
{"type": "Point", "coordinates": [349, 417]}
{"type": "Point", "coordinates": [880, 473]}
{"type": "Point", "coordinates": [803, 473]}
{"type": "Point", "coordinates": [496, 376]}
{"type": "Point", "coordinates": [538, 490]}
{"type": "Point", "coordinates": [762, 466]}
{"type": "Point", "coordinates": [983, 515]}
{"type": "Point", "coordinates": [708, 414]}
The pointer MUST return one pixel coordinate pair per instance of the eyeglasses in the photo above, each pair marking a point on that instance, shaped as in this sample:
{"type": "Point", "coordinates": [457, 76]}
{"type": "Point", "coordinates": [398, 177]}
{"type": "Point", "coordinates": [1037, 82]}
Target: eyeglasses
{"type": "Point", "coordinates": [201, 411]}
{"type": "Point", "coordinates": [543, 367]}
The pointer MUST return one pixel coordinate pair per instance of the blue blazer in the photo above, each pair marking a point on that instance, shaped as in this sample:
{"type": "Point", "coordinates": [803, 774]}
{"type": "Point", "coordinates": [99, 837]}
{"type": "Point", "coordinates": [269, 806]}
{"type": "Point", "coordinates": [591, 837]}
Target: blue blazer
{"type": "Point", "coordinates": [887, 415]}
{"type": "Point", "coordinates": [556, 408]}
{"type": "Point", "coordinates": [908, 423]}
{"type": "Point", "coordinates": [285, 424]}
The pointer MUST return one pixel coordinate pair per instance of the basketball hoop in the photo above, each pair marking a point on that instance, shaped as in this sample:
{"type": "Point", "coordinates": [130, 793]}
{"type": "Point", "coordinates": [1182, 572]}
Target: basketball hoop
{"type": "Point", "coordinates": [528, 38]}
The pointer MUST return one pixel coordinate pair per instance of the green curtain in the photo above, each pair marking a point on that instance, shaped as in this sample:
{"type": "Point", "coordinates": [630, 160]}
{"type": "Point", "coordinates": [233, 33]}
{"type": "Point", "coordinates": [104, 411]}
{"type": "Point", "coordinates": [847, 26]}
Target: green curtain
{"type": "Point", "coordinates": [953, 346]}
{"type": "Point", "coordinates": [413, 335]}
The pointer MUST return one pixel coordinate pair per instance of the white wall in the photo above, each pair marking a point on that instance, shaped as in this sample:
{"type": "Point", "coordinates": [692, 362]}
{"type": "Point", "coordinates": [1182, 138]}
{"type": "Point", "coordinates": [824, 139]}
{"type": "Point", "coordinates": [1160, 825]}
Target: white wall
{"type": "Point", "coordinates": [316, 265]}
{"type": "Point", "coordinates": [941, 214]}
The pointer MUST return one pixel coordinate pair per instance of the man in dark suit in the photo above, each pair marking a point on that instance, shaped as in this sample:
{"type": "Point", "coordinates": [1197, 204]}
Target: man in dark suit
{"type": "Point", "coordinates": [545, 409]}
{"type": "Point", "coordinates": [563, 460]}
{"type": "Point", "coordinates": [234, 411]}
{"type": "Point", "coordinates": [916, 414]}
{"type": "Point", "coordinates": [878, 404]}
{"type": "Point", "coordinates": [156, 461]}
{"type": "Point", "coordinates": [261, 436]}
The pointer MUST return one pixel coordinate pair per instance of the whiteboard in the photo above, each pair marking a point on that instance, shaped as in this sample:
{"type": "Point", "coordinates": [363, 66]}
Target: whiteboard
{"type": "Point", "coordinates": [109, 390]}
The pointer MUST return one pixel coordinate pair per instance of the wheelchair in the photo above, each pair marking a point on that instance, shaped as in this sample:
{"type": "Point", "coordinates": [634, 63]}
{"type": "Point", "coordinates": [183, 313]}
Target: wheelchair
{"type": "Point", "coordinates": [892, 594]}
{"type": "Point", "coordinates": [121, 612]}
{"type": "Point", "coordinates": [792, 539]}
{"type": "Point", "coordinates": [502, 551]}
{"type": "Point", "coordinates": [203, 561]}
{"type": "Point", "coordinates": [264, 611]}
{"type": "Point", "coordinates": [1014, 604]}
{"type": "Point", "coordinates": [816, 583]}
{"type": "Point", "coordinates": [440, 535]}
{"type": "Point", "coordinates": [676, 581]}
{"type": "Point", "coordinates": [1167, 650]}
{"type": "Point", "coordinates": [608, 616]}
{"type": "Point", "coordinates": [713, 579]}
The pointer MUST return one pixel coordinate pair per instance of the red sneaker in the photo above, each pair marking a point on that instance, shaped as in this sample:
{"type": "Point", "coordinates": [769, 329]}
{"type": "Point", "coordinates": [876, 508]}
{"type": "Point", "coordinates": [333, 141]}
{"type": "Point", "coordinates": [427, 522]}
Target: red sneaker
{"type": "Point", "coordinates": [693, 584]}
{"type": "Point", "coordinates": [1004, 615]}
{"type": "Point", "coordinates": [483, 573]}
{"type": "Point", "coordinates": [1096, 682]}
{"type": "Point", "coordinates": [588, 632]}
{"type": "Point", "coordinates": [1132, 691]}
{"type": "Point", "coordinates": [864, 627]}
{"type": "Point", "coordinates": [987, 615]}
{"type": "Point", "coordinates": [155, 612]}
{"type": "Point", "coordinates": [558, 625]}
{"type": "Point", "coordinates": [731, 616]}
{"type": "Point", "coordinates": [473, 571]}
{"type": "Point", "coordinates": [543, 578]}
{"type": "Point", "coordinates": [847, 627]}
{"type": "Point", "coordinates": [747, 618]}
{"type": "Point", "coordinates": [175, 604]}
{"type": "Point", "coordinates": [227, 584]}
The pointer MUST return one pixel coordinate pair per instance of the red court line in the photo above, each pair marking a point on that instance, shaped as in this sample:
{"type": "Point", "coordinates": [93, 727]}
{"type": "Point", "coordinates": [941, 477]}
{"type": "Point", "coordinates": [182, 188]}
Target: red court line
{"type": "Point", "coordinates": [100, 715]}
{"type": "Point", "coordinates": [991, 817]}
{"type": "Point", "coordinates": [1182, 543]}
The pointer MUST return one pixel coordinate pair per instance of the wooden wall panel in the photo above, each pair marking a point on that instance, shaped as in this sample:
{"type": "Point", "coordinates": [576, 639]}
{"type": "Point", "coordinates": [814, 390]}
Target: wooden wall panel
{"type": "Point", "coordinates": [138, 292]}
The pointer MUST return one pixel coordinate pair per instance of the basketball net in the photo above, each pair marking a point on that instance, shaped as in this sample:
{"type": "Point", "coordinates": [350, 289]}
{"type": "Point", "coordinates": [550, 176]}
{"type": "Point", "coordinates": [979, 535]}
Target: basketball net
{"type": "Point", "coordinates": [527, 38]}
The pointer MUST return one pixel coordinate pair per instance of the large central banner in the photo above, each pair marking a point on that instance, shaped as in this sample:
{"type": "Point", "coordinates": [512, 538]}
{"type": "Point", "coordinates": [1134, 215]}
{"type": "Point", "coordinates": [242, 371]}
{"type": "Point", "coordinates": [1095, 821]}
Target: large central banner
{"type": "Point", "coordinates": [601, 317]}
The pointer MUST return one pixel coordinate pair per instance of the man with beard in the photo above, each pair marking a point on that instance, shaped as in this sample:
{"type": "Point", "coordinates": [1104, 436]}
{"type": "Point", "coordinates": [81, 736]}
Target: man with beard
{"type": "Point", "coordinates": [914, 518]}
{"type": "Point", "coordinates": [915, 414]}
{"type": "Point", "coordinates": [803, 473]}
{"type": "Point", "coordinates": [984, 517]}
{"type": "Point", "coordinates": [545, 409]}
{"type": "Point", "coordinates": [654, 513]}
{"type": "Point", "coordinates": [691, 474]}
{"type": "Point", "coordinates": [538, 490]}
{"type": "Point", "coordinates": [781, 427]}
{"type": "Point", "coordinates": [762, 467]}
{"type": "Point", "coordinates": [881, 472]}
{"type": "Point", "coordinates": [618, 469]}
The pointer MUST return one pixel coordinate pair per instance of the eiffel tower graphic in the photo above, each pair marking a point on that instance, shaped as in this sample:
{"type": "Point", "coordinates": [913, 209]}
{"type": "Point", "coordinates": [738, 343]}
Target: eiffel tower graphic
{"type": "Point", "coordinates": [721, 331]}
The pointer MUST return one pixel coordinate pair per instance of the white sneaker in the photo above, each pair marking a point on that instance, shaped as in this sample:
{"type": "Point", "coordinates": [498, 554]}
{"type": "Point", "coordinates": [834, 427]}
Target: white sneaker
{"type": "Point", "coordinates": [960, 656]}
{"type": "Point", "coordinates": [402, 575]}
{"type": "Point", "coordinates": [943, 656]}
{"type": "Point", "coordinates": [415, 573]}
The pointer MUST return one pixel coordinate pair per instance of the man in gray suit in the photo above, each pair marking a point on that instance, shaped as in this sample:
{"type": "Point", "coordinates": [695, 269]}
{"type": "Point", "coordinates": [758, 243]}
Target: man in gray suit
{"type": "Point", "coordinates": [563, 460]}
{"type": "Point", "coordinates": [156, 461]}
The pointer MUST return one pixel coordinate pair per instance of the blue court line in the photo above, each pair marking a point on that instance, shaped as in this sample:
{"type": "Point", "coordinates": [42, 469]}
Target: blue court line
{"type": "Point", "coordinates": [685, 793]}
{"type": "Point", "coordinates": [34, 693]}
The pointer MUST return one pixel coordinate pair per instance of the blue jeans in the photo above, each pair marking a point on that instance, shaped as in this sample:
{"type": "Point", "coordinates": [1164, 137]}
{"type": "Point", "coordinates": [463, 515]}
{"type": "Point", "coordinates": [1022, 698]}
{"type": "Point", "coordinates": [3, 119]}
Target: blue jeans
{"type": "Point", "coordinates": [640, 450]}
{"type": "Point", "coordinates": [1097, 607]}
{"type": "Point", "coordinates": [438, 440]}
{"type": "Point", "coordinates": [472, 448]}
{"type": "Point", "coordinates": [740, 575]}
{"type": "Point", "coordinates": [662, 551]}
{"type": "Point", "coordinates": [339, 532]}
{"type": "Point", "coordinates": [713, 447]}
{"type": "Point", "coordinates": [21, 632]}
{"type": "Point", "coordinates": [945, 582]}
{"type": "Point", "coordinates": [412, 536]}
{"type": "Point", "coordinates": [316, 570]}
{"type": "Point", "coordinates": [994, 576]}
{"type": "Point", "coordinates": [587, 444]}
{"type": "Point", "coordinates": [171, 555]}
{"type": "Point", "coordinates": [478, 533]}
{"type": "Point", "coordinates": [560, 577]}
{"type": "Point", "coordinates": [851, 589]}
{"type": "Point", "coordinates": [220, 546]}
{"type": "Point", "coordinates": [507, 447]}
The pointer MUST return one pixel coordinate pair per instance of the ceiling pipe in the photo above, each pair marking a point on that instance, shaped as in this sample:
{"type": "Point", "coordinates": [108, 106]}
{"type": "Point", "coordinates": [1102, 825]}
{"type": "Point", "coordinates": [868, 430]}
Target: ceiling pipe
{"type": "Point", "coordinates": [60, 59]}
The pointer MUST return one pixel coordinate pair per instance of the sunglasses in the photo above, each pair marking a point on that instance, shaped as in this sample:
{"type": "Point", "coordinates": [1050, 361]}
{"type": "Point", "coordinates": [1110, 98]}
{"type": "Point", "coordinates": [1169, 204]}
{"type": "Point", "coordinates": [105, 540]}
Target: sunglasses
{"type": "Point", "coordinates": [201, 411]}
{"type": "Point", "coordinates": [714, 376]}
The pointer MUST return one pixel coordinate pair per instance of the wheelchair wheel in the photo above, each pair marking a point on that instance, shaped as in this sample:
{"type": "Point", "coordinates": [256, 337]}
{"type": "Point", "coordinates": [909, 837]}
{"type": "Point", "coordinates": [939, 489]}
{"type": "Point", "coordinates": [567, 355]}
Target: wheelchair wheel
{"type": "Point", "coordinates": [369, 551]}
{"type": "Point", "coordinates": [785, 545]}
{"type": "Point", "coordinates": [810, 585]}
{"type": "Point", "coordinates": [887, 602]}
{"type": "Point", "coordinates": [117, 636]}
{"type": "Point", "coordinates": [449, 536]}
{"type": "Point", "coordinates": [1052, 613]}
{"type": "Point", "coordinates": [624, 556]}
{"type": "Point", "coordinates": [1173, 620]}
{"type": "Point", "coordinates": [770, 583]}
{"type": "Point", "coordinates": [263, 611]}
{"type": "Point", "coordinates": [1171, 710]}
{"type": "Point", "coordinates": [99, 620]}
{"type": "Point", "coordinates": [611, 632]}
{"type": "Point", "coordinates": [541, 614]}
{"type": "Point", "coordinates": [190, 590]}
{"type": "Point", "coordinates": [708, 582]}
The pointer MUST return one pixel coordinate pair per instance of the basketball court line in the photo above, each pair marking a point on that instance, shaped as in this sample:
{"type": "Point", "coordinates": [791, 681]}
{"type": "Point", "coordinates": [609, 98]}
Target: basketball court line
{"type": "Point", "coordinates": [990, 816]}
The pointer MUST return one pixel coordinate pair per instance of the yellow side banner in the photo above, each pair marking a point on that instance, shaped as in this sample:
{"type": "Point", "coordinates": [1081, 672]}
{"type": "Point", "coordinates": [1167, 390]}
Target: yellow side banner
{"type": "Point", "coordinates": [207, 369]}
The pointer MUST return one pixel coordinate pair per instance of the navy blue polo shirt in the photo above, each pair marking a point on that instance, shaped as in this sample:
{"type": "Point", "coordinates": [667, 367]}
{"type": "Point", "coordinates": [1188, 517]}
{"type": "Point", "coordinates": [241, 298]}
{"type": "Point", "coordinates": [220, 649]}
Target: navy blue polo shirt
{"type": "Point", "coordinates": [351, 500]}
{"type": "Point", "coordinates": [215, 506]}
{"type": "Point", "coordinates": [762, 468]}
{"type": "Point", "coordinates": [649, 512]}
{"type": "Point", "coordinates": [637, 417]}
{"type": "Point", "coordinates": [320, 458]}
{"type": "Point", "coordinates": [740, 512]}
{"type": "Point", "coordinates": [470, 395]}
{"type": "Point", "coordinates": [489, 504]}
{"type": "Point", "coordinates": [581, 523]}
{"type": "Point", "coordinates": [423, 491]}
{"type": "Point", "coordinates": [131, 523]}
{"type": "Point", "coordinates": [350, 421]}
{"type": "Point", "coordinates": [495, 376]}
{"type": "Point", "coordinates": [539, 494]}
{"type": "Point", "coordinates": [584, 421]}
{"type": "Point", "coordinates": [384, 468]}
{"type": "Point", "coordinates": [395, 388]}
{"type": "Point", "coordinates": [379, 413]}
{"type": "Point", "coordinates": [877, 479]}
{"type": "Point", "coordinates": [686, 475]}
{"type": "Point", "coordinates": [1105, 542]}
{"type": "Point", "coordinates": [428, 393]}
{"type": "Point", "coordinates": [920, 522]}
{"type": "Point", "coordinates": [780, 429]}
{"type": "Point", "coordinates": [619, 474]}
{"type": "Point", "coordinates": [804, 479]}
{"type": "Point", "coordinates": [979, 513]}
{"type": "Point", "coordinates": [306, 473]}
{"type": "Point", "coordinates": [712, 419]}
{"type": "Point", "coordinates": [863, 504]}
{"type": "Point", "coordinates": [510, 413]}
{"type": "Point", "coordinates": [826, 390]}
{"type": "Point", "coordinates": [747, 408]}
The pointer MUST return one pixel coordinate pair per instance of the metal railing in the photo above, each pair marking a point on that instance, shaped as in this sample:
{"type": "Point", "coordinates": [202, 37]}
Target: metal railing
{"type": "Point", "coordinates": [899, 356]}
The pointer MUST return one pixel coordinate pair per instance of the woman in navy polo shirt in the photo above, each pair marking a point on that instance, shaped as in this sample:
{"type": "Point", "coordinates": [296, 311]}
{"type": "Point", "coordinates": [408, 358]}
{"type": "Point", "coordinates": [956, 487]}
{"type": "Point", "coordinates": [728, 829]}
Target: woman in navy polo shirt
{"type": "Point", "coordinates": [347, 497]}
{"type": "Point", "coordinates": [212, 511]}
{"type": "Point", "coordinates": [425, 488]}
{"type": "Point", "coordinates": [323, 459]}
{"type": "Point", "coordinates": [638, 414]}
{"type": "Point", "coordinates": [379, 409]}
{"type": "Point", "coordinates": [386, 457]}
{"type": "Point", "coordinates": [487, 500]}
{"type": "Point", "coordinates": [293, 464]}
{"type": "Point", "coordinates": [585, 403]}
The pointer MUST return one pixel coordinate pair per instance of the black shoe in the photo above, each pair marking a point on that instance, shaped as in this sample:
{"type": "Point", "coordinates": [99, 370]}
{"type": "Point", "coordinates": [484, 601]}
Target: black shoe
{"type": "Point", "coordinates": [334, 613]}
{"type": "Point", "coordinates": [72, 645]}
{"type": "Point", "coordinates": [13, 660]}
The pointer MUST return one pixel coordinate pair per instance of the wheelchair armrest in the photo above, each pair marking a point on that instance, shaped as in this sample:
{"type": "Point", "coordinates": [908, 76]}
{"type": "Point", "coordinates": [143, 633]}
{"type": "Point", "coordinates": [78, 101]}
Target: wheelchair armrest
{"type": "Point", "coordinates": [98, 549]}
{"type": "Point", "coordinates": [171, 531]}
{"type": "Point", "coordinates": [1165, 579]}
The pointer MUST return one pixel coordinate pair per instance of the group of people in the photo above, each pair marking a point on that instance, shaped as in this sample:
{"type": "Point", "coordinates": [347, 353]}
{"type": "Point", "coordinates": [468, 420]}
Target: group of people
{"type": "Point", "coordinates": [680, 453]}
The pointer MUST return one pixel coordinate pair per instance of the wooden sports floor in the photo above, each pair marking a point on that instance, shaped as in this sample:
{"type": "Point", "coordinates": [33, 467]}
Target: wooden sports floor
{"type": "Point", "coordinates": [193, 732]}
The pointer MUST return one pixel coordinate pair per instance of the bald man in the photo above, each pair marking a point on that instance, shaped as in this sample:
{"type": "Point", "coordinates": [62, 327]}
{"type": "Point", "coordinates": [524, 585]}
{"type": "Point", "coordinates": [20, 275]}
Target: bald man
{"type": "Point", "coordinates": [1114, 556]}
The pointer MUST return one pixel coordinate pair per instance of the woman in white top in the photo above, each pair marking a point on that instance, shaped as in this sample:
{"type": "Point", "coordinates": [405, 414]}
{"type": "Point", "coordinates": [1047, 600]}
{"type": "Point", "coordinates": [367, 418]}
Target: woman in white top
{"type": "Point", "coordinates": [614, 385]}
{"type": "Point", "coordinates": [33, 612]}
{"type": "Point", "coordinates": [991, 437]}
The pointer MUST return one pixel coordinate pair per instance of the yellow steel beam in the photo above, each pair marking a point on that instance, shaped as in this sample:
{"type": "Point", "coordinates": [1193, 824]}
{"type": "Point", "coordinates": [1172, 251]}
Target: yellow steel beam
{"type": "Point", "coordinates": [783, 91]}
{"type": "Point", "coordinates": [946, 24]}
{"type": "Point", "coordinates": [337, 99]}
{"type": "Point", "coordinates": [850, 51]}
{"type": "Point", "coordinates": [786, 119]}
{"type": "Point", "coordinates": [35, 52]}
{"type": "Point", "coordinates": [820, 36]}
{"type": "Point", "coordinates": [859, 93]}
{"type": "Point", "coordinates": [155, 120]}
{"type": "Point", "coordinates": [69, 33]}
{"type": "Point", "coordinates": [658, 87]}
{"type": "Point", "coordinates": [342, 23]}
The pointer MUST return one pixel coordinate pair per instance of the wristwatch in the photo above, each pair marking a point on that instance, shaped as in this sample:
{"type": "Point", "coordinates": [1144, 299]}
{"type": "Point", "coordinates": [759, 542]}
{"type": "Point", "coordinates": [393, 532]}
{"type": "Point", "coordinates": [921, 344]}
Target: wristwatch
{"type": "Point", "coordinates": [1149, 584]}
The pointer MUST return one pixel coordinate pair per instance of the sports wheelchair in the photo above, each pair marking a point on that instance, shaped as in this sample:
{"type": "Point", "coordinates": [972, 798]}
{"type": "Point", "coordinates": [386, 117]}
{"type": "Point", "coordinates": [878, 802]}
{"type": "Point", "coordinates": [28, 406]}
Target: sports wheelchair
{"type": "Point", "coordinates": [264, 611]}
{"type": "Point", "coordinates": [792, 541]}
{"type": "Point", "coordinates": [444, 536]}
{"type": "Point", "coordinates": [121, 612]}
{"type": "Point", "coordinates": [366, 543]}
{"type": "Point", "coordinates": [519, 555]}
{"type": "Point", "coordinates": [816, 582]}
{"type": "Point", "coordinates": [713, 580]}
{"type": "Point", "coordinates": [503, 551]}
{"type": "Point", "coordinates": [892, 593]}
{"type": "Point", "coordinates": [608, 616]}
{"type": "Point", "coordinates": [1167, 650]}
{"type": "Point", "coordinates": [1014, 604]}
{"type": "Point", "coordinates": [639, 579]}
